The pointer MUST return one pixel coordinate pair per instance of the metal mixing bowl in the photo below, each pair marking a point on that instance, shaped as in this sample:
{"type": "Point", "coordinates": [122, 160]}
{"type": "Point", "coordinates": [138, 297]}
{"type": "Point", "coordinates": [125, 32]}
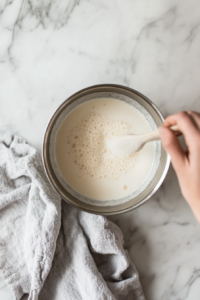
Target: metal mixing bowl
{"type": "Point", "coordinates": [106, 89]}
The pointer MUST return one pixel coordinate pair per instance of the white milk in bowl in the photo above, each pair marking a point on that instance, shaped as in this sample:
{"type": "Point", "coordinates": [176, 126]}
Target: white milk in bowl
{"type": "Point", "coordinates": [87, 168]}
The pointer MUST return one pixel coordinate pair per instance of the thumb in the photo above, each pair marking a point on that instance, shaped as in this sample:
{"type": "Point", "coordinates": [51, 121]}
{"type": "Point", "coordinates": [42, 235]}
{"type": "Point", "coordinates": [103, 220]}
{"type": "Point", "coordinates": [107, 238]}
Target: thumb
{"type": "Point", "coordinates": [173, 147]}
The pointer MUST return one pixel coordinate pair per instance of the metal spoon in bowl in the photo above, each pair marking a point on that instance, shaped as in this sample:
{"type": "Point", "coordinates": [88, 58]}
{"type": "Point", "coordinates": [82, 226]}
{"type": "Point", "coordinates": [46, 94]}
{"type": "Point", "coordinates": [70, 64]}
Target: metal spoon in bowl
{"type": "Point", "coordinates": [128, 144]}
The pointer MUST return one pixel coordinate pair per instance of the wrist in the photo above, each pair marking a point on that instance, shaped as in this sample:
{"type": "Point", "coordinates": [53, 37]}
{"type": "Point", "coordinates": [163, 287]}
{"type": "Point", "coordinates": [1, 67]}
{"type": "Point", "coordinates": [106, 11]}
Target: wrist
{"type": "Point", "coordinates": [195, 206]}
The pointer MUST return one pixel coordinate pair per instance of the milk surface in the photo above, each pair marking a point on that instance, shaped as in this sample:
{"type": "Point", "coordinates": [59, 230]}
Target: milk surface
{"type": "Point", "coordinates": [82, 155]}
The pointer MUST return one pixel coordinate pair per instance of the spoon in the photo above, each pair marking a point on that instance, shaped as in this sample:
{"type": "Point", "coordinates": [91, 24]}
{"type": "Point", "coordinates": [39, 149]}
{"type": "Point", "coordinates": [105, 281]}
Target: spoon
{"type": "Point", "coordinates": [128, 144]}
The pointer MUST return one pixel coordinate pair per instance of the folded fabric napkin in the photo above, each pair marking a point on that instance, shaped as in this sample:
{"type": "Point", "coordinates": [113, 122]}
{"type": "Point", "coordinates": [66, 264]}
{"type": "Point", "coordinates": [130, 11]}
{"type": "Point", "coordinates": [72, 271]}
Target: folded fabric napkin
{"type": "Point", "coordinates": [50, 250]}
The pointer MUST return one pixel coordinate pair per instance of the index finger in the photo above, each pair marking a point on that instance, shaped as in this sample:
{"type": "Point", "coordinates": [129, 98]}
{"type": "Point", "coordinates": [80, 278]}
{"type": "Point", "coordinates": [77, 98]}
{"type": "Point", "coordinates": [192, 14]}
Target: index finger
{"type": "Point", "coordinates": [184, 122]}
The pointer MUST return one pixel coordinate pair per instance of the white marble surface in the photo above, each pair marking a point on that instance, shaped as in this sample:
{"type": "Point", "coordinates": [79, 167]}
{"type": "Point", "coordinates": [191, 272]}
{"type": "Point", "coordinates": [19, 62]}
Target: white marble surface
{"type": "Point", "coordinates": [51, 49]}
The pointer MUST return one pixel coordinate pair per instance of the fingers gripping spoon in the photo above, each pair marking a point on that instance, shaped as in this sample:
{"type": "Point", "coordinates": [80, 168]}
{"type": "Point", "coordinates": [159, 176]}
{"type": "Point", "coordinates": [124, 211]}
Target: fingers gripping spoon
{"type": "Point", "coordinates": [131, 143]}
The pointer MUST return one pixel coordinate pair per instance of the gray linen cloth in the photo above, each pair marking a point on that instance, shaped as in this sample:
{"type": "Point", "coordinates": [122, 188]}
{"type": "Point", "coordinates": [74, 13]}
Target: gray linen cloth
{"type": "Point", "coordinates": [50, 250]}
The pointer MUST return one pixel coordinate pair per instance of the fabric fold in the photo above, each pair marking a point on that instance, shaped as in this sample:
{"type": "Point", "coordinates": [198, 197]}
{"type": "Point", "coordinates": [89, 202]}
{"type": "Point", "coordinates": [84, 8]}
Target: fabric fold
{"type": "Point", "coordinates": [30, 213]}
{"type": "Point", "coordinates": [51, 250]}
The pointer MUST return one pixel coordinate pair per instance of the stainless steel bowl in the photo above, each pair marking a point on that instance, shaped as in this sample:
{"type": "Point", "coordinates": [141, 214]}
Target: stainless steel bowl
{"type": "Point", "coordinates": [147, 193]}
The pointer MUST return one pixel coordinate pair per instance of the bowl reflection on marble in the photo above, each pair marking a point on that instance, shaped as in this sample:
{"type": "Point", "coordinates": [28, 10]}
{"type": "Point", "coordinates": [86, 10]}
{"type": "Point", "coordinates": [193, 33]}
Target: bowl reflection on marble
{"type": "Point", "coordinates": [151, 183]}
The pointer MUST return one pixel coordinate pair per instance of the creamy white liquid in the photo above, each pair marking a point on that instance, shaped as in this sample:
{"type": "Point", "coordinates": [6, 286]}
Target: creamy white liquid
{"type": "Point", "coordinates": [84, 159]}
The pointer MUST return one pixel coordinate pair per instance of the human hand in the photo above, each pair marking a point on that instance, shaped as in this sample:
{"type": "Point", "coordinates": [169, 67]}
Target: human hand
{"type": "Point", "coordinates": [185, 163]}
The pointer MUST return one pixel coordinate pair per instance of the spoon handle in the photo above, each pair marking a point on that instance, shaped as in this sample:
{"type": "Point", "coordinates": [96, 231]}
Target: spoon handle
{"type": "Point", "coordinates": [154, 135]}
{"type": "Point", "coordinates": [175, 128]}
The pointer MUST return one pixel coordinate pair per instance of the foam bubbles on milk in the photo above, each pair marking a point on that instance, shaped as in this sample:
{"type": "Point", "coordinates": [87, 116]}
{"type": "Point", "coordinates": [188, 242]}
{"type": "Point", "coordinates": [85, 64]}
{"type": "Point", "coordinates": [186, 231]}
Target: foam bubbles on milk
{"type": "Point", "coordinates": [88, 147]}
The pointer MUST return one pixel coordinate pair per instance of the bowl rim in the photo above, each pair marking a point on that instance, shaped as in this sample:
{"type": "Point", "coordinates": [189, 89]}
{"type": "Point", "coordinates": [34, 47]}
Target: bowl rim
{"type": "Point", "coordinates": [49, 175]}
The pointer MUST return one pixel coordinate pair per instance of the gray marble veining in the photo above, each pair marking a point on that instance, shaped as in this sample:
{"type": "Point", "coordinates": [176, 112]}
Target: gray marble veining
{"type": "Point", "coordinates": [51, 49]}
